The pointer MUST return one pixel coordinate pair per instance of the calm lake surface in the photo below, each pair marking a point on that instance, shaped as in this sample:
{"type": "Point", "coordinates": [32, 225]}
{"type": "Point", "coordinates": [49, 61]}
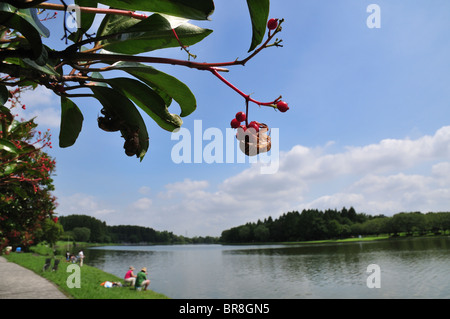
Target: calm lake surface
{"type": "Point", "coordinates": [408, 268]}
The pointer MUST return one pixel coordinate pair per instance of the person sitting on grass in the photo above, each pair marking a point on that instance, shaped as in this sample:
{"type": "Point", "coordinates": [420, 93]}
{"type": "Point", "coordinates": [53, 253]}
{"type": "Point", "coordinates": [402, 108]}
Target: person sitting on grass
{"type": "Point", "coordinates": [141, 280]}
{"type": "Point", "coordinates": [130, 278]}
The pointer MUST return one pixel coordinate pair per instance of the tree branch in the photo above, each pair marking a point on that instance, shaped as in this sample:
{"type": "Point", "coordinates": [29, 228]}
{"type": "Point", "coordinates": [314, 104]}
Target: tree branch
{"type": "Point", "coordinates": [60, 7]}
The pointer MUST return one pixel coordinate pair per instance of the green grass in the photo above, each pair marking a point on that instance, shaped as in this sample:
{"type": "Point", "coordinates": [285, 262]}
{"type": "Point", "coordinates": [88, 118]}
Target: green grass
{"type": "Point", "coordinates": [345, 240]}
{"type": "Point", "coordinates": [91, 278]}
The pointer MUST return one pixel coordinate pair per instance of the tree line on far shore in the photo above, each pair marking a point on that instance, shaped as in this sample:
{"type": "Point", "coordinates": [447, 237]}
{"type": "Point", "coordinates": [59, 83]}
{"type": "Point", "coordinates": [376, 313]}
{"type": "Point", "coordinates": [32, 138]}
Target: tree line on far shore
{"type": "Point", "coordinates": [310, 224]}
{"type": "Point", "coordinates": [313, 224]}
{"type": "Point", "coordinates": [89, 229]}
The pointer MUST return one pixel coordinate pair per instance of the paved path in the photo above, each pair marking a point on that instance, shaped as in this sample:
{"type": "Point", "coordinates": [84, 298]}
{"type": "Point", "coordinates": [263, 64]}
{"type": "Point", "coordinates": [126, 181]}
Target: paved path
{"type": "Point", "coordinates": [17, 282]}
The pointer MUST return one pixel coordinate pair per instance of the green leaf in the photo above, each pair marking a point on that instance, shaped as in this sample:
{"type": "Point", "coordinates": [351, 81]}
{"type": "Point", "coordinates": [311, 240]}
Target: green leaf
{"type": "Point", "coordinates": [122, 108]}
{"type": "Point", "coordinates": [8, 169]}
{"type": "Point", "coordinates": [87, 19]}
{"type": "Point", "coordinates": [8, 146]}
{"type": "Point", "coordinates": [17, 129]}
{"type": "Point", "coordinates": [148, 100]}
{"type": "Point", "coordinates": [115, 24]}
{"type": "Point", "coordinates": [259, 14]}
{"type": "Point", "coordinates": [71, 122]}
{"type": "Point", "coordinates": [4, 94]}
{"type": "Point", "coordinates": [97, 75]}
{"type": "Point", "coordinates": [29, 15]}
{"type": "Point", "coordinates": [16, 22]}
{"type": "Point", "coordinates": [41, 64]}
{"type": "Point", "coordinates": [190, 9]}
{"type": "Point", "coordinates": [150, 34]}
{"type": "Point", "coordinates": [161, 82]}
{"type": "Point", "coordinates": [5, 120]}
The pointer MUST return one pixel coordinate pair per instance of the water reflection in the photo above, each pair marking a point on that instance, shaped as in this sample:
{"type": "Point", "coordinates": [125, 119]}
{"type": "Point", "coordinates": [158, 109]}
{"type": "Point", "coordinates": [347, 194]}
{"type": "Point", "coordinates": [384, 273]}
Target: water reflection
{"type": "Point", "coordinates": [415, 268]}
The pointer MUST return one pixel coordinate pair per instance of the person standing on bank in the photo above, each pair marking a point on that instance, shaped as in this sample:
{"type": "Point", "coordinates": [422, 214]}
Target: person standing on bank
{"type": "Point", "coordinates": [141, 279]}
{"type": "Point", "coordinates": [81, 257]}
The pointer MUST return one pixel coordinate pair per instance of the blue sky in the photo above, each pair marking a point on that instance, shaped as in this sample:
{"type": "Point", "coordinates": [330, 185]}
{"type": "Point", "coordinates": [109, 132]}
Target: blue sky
{"type": "Point", "coordinates": [368, 125]}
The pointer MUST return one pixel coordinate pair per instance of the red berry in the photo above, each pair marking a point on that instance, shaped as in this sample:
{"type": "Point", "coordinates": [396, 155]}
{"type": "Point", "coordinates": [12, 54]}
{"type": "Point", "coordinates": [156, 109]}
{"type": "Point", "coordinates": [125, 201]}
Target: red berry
{"type": "Point", "coordinates": [272, 24]}
{"type": "Point", "coordinates": [282, 106]}
{"type": "Point", "coordinates": [240, 116]}
{"type": "Point", "coordinates": [254, 125]}
{"type": "Point", "coordinates": [235, 123]}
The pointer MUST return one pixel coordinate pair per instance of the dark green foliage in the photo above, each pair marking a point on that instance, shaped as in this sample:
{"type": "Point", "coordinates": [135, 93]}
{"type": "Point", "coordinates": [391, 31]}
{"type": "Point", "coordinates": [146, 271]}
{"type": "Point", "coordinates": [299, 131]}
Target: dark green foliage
{"type": "Point", "coordinates": [313, 224]}
{"type": "Point", "coordinates": [102, 233]}
{"type": "Point", "coordinates": [122, 34]}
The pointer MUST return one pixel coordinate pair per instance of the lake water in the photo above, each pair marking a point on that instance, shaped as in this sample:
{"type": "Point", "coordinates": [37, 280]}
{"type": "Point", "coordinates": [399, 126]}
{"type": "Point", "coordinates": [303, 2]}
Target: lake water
{"type": "Point", "coordinates": [407, 268]}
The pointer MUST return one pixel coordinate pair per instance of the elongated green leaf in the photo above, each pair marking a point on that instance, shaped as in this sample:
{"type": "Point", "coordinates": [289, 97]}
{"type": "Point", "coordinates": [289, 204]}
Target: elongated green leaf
{"type": "Point", "coordinates": [190, 9]}
{"type": "Point", "coordinates": [122, 108]}
{"type": "Point", "coordinates": [18, 23]}
{"type": "Point", "coordinates": [259, 14]}
{"type": "Point", "coordinates": [97, 75]}
{"type": "Point", "coordinates": [6, 119]}
{"type": "Point", "coordinates": [71, 122]}
{"type": "Point", "coordinates": [86, 19]}
{"type": "Point", "coordinates": [150, 34]}
{"type": "Point", "coordinates": [149, 101]}
{"type": "Point", "coordinates": [17, 128]}
{"type": "Point", "coordinates": [4, 94]}
{"type": "Point", "coordinates": [24, 3]}
{"type": "Point", "coordinates": [115, 24]}
{"type": "Point", "coordinates": [163, 82]}
{"type": "Point", "coordinates": [8, 169]}
{"type": "Point", "coordinates": [8, 146]}
{"type": "Point", "coordinates": [41, 64]}
{"type": "Point", "coordinates": [29, 15]}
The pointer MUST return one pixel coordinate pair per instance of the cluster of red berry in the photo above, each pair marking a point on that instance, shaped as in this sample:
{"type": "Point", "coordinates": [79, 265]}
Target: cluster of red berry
{"type": "Point", "coordinates": [241, 117]}
{"type": "Point", "coordinates": [282, 106]}
{"type": "Point", "coordinates": [256, 140]}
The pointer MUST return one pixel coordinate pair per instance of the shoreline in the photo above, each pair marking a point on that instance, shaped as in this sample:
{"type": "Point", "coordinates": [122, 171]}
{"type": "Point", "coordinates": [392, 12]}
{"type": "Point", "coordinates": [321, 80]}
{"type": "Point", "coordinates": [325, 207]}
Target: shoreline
{"type": "Point", "coordinates": [90, 279]}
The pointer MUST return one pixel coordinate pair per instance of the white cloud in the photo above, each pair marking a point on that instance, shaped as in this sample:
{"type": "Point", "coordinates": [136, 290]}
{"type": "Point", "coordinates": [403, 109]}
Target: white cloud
{"type": "Point", "coordinates": [84, 204]}
{"type": "Point", "coordinates": [46, 117]}
{"type": "Point", "coordinates": [41, 104]}
{"type": "Point", "coordinates": [391, 176]}
{"type": "Point", "coordinates": [38, 97]}
{"type": "Point", "coordinates": [142, 204]}
{"type": "Point", "coordinates": [371, 178]}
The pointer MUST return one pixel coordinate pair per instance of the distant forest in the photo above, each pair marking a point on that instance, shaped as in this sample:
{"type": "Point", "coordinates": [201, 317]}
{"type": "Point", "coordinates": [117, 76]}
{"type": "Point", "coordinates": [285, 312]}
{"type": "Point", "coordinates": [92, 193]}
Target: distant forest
{"type": "Point", "coordinates": [89, 229]}
{"type": "Point", "coordinates": [313, 224]}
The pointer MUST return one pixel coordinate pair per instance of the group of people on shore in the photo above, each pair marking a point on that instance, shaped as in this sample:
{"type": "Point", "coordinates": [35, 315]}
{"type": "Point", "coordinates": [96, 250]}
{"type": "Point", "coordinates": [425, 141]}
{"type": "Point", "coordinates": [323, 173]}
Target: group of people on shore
{"type": "Point", "coordinates": [75, 258]}
{"type": "Point", "coordinates": [139, 280]}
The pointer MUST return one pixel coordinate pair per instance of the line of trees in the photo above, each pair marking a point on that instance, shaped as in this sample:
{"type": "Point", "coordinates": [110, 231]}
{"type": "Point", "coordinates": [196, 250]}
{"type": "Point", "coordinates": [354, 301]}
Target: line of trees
{"type": "Point", "coordinates": [89, 229]}
{"type": "Point", "coordinates": [313, 224]}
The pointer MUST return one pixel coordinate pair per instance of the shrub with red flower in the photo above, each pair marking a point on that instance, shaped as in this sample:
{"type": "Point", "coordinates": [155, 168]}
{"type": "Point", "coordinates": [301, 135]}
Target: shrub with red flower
{"type": "Point", "coordinates": [25, 178]}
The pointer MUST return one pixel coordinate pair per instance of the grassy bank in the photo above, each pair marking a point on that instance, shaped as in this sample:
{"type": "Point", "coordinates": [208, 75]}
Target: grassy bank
{"type": "Point", "coordinates": [91, 279]}
{"type": "Point", "coordinates": [346, 240]}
